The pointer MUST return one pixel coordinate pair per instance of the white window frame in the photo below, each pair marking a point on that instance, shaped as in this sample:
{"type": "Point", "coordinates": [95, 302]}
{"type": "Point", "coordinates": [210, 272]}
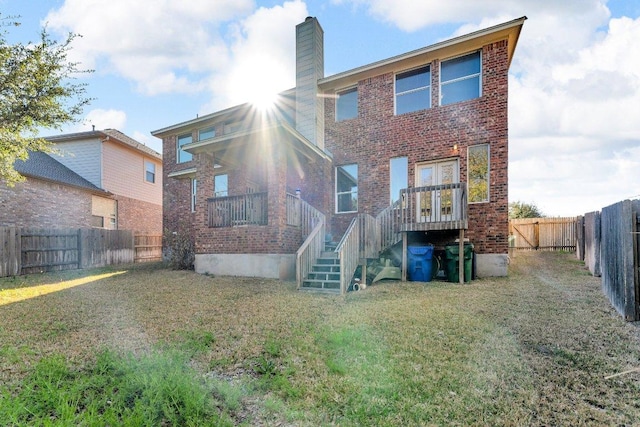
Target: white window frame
{"type": "Point", "coordinates": [220, 193]}
{"type": "Point", "coordinates": [179, 147]}
{"type": "Point", "coordinates": [488, 178]}
{"type": "Point", "coordinates": [211, 129]}
{"type": "Point", "coordinates": [194, 193]}
{"type": "Point", "coordinates": [417, 89]}
{"type": "Point", "coordinates": [345, 91]}
{"type": "Point", "coordinates": [148, 163]}
{"type": "Point", "coordinates": [478, 74]}
{"type": "Point", "coordinates": [337, 194]}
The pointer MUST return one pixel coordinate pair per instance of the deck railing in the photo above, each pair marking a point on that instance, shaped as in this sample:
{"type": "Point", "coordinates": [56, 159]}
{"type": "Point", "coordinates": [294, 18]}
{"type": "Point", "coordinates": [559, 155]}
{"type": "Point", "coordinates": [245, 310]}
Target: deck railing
{"type": "Point", "coordinates": [302, 214]}
{"type": "Point", "coordinates": [388, 226]}
{"type": "Point", "coordinates": [230, 211]}
{"type": "Point", "coordinates": [348, 252]}
{"type": "Point", "coordinates": [313, 230]}
{"type": "Point", "coordinates": [434, 207]}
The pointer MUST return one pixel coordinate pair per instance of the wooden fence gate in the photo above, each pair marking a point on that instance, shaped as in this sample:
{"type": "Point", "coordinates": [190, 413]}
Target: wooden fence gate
{"type": "Point", "coordinates": [546, 234]}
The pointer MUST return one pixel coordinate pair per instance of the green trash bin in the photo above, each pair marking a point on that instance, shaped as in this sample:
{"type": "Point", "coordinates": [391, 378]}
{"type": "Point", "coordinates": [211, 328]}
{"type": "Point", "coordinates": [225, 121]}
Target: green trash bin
{"type": "Point", "coordinates": [452, 251]}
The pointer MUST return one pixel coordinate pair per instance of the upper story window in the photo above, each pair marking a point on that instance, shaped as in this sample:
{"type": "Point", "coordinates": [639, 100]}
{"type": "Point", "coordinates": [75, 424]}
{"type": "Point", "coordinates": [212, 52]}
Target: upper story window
{"type": "Point", "coordinates": [150, 171]}
{"type": "Point", "coordinates": [232, 127]}
{"type": "Point", "coordinates": [347, 188]}
{"type": "Point", "coordinates": [460, 78]}
{"type": "Point", "coordinates": [413, 90]}
{"type": "Point", "coordinates": [221, 185]}
{"type": "Point", "coordinates": [182, 155]}
{"type": "Point", "coordinates": [207, 133]}
{"type": "Point", "coordinates": [347, 104]}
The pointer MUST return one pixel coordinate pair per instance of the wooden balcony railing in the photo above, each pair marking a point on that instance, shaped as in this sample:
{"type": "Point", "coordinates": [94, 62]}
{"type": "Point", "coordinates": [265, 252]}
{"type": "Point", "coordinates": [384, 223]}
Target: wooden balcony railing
{"type": "Point", "coordinates": [434, 207]}
{"type": "Point", "coordinates": [230, 211]}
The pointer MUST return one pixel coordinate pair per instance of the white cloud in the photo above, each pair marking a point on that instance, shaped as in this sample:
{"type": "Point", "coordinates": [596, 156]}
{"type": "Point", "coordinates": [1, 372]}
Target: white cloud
{"type": "Point", "coordinates": [102, 119]}
{"type": "Point", "coordinates": [154, 43]}
{"type": "Point", "coordinates": [262, 55]}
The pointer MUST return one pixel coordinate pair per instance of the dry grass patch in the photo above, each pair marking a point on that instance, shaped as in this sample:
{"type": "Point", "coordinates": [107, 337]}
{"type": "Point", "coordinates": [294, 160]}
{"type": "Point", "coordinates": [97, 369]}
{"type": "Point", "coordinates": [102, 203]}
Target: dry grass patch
{"type": "Point", "coordinates": [530, 349]}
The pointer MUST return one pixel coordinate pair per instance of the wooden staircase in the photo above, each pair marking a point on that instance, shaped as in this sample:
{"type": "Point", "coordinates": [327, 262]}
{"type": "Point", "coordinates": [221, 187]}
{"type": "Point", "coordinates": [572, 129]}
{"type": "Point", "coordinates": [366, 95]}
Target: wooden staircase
{"type": "Point", "coordinates": [324, 275]}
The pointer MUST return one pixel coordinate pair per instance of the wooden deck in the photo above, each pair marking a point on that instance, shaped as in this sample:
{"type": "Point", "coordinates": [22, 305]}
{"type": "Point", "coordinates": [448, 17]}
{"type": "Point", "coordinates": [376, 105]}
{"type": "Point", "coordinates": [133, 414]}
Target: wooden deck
{"type": "Point", "coordinates": [435, 207]}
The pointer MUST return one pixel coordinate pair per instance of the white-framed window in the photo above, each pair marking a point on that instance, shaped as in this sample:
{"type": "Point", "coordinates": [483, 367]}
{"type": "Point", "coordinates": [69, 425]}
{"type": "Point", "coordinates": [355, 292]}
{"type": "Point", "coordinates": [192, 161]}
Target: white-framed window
{"type": "Point", "coordinates": [478, 173]}
{"type": "Point", "coordinates": [149, 171]}
{"type": "Point", "coordinates": [207, 133]}
{"type": "Point", "coordinates": [194, 192]}
{"type": "Point", "coordinates": [347, 104]}
{"type": "Point", "coordinates": [347, 188]}
{"type": "Point", "coordinates": [181, 155]}
{"type": "Point", "coordinates": [460, 78]}
{"type": "Point", "coordinates": [221, 185]}
{"type": "Point", "coordinates": [413, 90]}
{"type": "Point", "coordinates": [232, 127]}
{"type": "Point", "coordinates": [398, 176]}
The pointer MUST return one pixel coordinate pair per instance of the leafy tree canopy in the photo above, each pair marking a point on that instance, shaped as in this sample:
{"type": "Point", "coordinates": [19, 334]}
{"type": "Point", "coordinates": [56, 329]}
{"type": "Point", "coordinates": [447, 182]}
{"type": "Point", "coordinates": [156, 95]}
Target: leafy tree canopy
{"type": "Point", "coordinates": [37, 90]}
{"type": "Point", "coordinates": [520, 209]}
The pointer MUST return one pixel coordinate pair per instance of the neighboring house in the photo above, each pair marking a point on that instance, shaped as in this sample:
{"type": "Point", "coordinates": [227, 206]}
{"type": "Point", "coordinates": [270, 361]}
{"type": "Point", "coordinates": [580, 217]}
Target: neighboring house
{"type": "Point", "coordinates": [52, 196]}
{"type": "Point", "coordinates": [409, 150]}
{"type": "Point", "coordinates": [129, 170]}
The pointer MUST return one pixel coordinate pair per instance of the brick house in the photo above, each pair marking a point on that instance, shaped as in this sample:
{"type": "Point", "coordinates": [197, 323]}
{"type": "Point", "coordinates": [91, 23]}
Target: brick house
{"type": "Point", "coordinates": [52, 196]}
{"type": "Point", "coordinates": [116, 163]}
{"type": "Point", "coordinates": [412, 149]}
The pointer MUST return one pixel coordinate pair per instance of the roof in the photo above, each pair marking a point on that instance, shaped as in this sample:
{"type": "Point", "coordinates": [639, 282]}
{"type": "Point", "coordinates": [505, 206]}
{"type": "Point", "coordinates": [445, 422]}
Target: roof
{"type": "Point", "coordinates": [107, 134]}
{"type": "Point", "coordinates": [42, 166]}
{"type": "Point", "coordinates": [451, 47]}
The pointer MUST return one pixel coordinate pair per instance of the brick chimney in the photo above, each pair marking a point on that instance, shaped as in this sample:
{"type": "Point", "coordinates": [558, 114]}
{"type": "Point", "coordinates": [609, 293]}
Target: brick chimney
{"type": "Point", "coordinates": [309, 69]}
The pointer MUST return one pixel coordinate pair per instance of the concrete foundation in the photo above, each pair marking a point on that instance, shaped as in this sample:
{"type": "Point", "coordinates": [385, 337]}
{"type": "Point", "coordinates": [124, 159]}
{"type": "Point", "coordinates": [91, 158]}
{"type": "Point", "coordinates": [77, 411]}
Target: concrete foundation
{"type": "Point", "coordinates": [491, 265]}
{"type": "Point", "coordinates": [270, 266]}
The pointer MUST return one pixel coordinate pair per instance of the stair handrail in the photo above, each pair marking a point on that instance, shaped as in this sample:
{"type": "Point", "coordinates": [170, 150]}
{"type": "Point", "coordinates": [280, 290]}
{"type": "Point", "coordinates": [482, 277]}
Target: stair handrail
{"type": "Point", "coordinates": [388, 225]}
{"type": "Point", "coordinates": [310, 250]}
{"type": "Point", "coordinates": [348, 252]}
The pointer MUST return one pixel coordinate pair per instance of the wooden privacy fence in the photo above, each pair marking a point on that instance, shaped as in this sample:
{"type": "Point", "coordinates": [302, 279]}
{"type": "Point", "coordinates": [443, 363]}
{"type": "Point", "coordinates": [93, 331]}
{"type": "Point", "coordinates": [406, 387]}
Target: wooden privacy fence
{"type": "Point", "coordinates": [547, 234]}
{"type": "Point", "coordinates": [34, 250]}
{"type": "Point", "coordinates": [620, 258]}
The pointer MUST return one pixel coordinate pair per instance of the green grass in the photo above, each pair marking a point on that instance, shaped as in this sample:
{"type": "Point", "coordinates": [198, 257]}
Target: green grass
{"type": "Point", "coordinates": [157, 347]}
{"type": "Point", "coordinates": [158, 389]}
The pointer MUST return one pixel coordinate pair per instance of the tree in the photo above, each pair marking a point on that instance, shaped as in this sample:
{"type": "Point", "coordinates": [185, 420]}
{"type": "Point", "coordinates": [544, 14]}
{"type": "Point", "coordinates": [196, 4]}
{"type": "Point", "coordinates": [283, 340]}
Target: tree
{"type": "Point", "coordinates": [520, 209]}
{"type": "Point", "coordinates": [37, 90]}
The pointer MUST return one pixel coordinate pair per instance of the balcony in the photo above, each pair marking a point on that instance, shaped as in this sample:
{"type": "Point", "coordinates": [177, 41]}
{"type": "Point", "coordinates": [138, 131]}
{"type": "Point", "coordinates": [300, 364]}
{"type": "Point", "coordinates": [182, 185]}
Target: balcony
{"type": "Point", "coordinates": [233, 211]}
{"type": "Point", "coordinates": [434, 207]}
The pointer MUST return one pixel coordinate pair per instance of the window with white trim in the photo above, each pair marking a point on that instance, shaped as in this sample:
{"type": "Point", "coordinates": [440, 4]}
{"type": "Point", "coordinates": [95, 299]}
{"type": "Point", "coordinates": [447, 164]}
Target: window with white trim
{"type": "Point", "coordinates": [194, 192]}
{"type": "Point", "coordinates": [460, 78]}
{"type": "Point", "coordinates": [181, 155]}
{"type": "Point", "coordinates": [347, 104]}
{"type": "Point", "coordinates": [207, 133]}
{"type": "Point", "coordinates": [413, 90]}
{"type": "Point", "coordinates": [478, 173]}
{"type": "Point", "coordinates": [221, 185]}
{"type": "Point", "coordinates": [150, 171]}
{"type": "Point", "coordinates": [347, 188]}
{"type": "Point", "coordinates": [398, 176]}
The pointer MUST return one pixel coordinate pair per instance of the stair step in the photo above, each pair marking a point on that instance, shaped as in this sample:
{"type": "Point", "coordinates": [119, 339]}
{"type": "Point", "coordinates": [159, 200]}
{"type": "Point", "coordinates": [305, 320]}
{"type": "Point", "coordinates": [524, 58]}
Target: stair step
{"type": "Point", "coordinates": [328, 261]}
{"type": "Point", "coordinates": [322, 290]}
{"type": "Point", "coordinates": [329, 254]}
{"type": "Point", "coordinates": [325, 275]}
{"type": "Point", "coordinates": [320, 284]}
{"type": "Point", "coordinates": [325, 268]}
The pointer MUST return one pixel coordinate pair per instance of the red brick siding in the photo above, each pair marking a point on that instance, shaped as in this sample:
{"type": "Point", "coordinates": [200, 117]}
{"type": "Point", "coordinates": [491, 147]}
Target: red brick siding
{"type": "Point", "coordinates": [37, 203]}
{"type": "Point", "coordinates": [268, 165]}
{"type": "Point", "coordinates": [377, 135]}
{"type": "Point", "coordinates": [139, 216]}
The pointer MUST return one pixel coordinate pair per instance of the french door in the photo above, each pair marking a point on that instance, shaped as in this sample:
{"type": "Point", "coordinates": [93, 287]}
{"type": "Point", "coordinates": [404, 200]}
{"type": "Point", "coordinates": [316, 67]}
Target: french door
{"type": "Point", "coordinates": [436, 204]}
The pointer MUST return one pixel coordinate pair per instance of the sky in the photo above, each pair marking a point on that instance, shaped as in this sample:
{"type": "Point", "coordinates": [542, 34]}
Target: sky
{"type": "Point", "coordinates": [574, 83]}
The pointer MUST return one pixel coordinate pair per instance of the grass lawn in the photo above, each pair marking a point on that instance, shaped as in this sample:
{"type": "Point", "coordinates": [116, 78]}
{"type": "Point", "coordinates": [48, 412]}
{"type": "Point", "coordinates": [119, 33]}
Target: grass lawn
{"type": "Point", "coordinates": [142, 345]}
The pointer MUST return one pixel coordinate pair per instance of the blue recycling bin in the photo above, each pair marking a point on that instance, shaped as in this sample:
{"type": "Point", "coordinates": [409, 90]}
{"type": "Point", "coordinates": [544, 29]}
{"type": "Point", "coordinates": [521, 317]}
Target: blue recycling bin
{"type": "Point", "coordinates": [420, 263]}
